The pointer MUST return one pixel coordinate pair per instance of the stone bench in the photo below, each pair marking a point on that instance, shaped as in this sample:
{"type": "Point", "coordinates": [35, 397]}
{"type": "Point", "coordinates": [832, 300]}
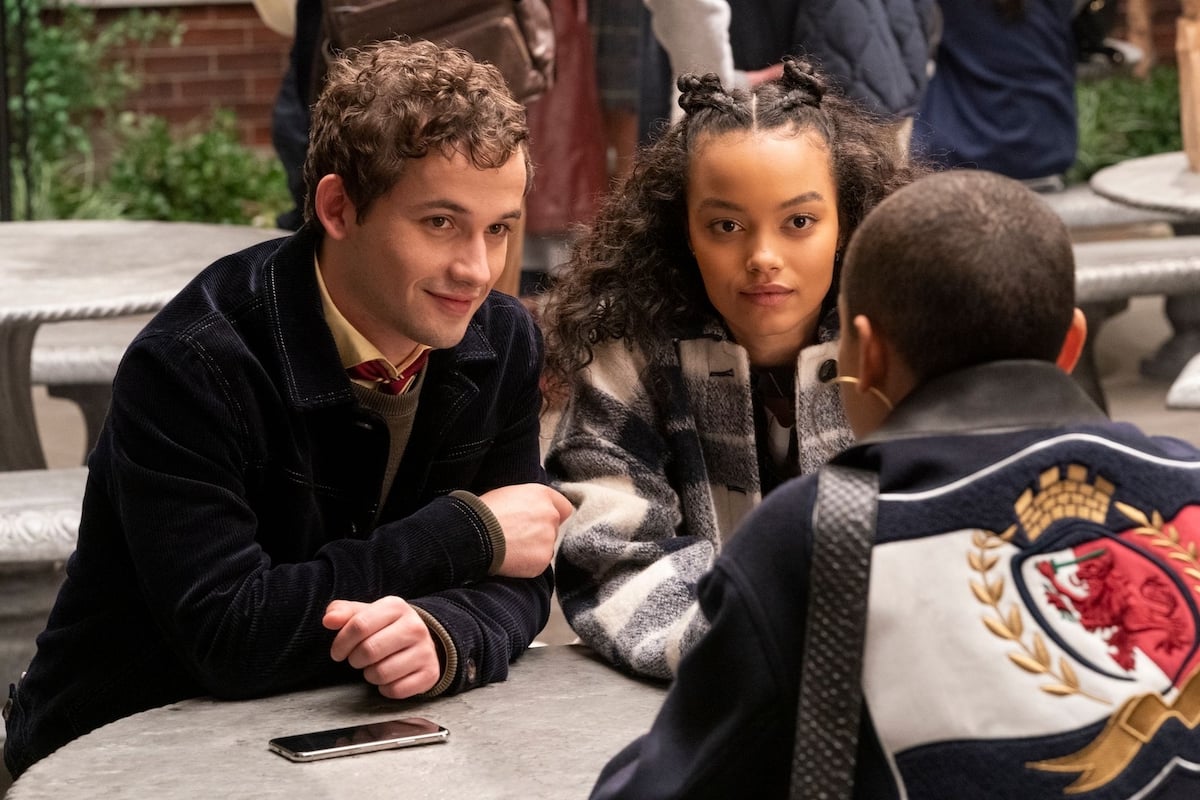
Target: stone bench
{"type": "Point", "coordinates": [1091, 217]}
{"type": "Point", "coordinates": [39, 525]}
{"type": "Point", "coordinates": [39, 513]}
{"type": "Point", "coordinates": [1118, 270]}
{"type": "Point", "coordinates": [1087, 213]}
{"type": "Point", "coordinates": [1108, 273]}
{"type": "Point", "coordinates": [77, 360]}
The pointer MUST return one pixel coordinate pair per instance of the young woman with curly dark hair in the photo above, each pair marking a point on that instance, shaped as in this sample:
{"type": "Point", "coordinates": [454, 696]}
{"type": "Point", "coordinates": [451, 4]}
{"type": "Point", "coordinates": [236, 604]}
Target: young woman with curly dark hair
{"type": "Point", "coordinates": [692, 336]}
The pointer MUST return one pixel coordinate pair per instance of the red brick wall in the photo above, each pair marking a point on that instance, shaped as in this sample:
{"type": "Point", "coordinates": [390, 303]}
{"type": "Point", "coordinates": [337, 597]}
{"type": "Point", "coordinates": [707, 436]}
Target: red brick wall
{"type": "Point", "coordinates": [1165, 12]}
{"type": "Point", "coordinates": [230, 59]}
{"type": "Point", "coordinates": [227, 59]}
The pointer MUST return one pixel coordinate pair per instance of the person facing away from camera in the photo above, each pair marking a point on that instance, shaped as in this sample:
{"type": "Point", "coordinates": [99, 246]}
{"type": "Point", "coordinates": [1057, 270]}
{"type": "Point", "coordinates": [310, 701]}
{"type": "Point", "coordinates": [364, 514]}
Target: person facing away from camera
{"type": "Point", "coordinates": [693, 330]}
{"type": "Point", "coordinates": [263, 514]}
{"type": "Point", "coordinates": [1032, 615]}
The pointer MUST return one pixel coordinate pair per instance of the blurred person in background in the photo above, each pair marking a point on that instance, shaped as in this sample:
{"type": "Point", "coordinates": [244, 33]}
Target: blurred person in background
{"type": "Point", "coordinates": [1002, 95]}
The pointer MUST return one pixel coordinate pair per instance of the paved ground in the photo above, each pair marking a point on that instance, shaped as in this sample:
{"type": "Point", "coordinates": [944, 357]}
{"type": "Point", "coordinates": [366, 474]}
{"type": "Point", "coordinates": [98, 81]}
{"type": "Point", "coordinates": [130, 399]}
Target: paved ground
{"type": "Point", "coordinates": [1123, 342]}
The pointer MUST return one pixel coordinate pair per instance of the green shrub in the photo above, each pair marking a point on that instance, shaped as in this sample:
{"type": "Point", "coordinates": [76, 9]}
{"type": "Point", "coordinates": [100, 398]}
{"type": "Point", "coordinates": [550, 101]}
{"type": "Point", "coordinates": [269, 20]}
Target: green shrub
{"type": "Point", "coordinates": [1124, 117]}
{"type": "Point", "coordinates": [86, 158]}
{"type": "Point", "coordinates": [74, 75]}
{"type": "Point", "coordinates": [74, 78]}
{"type": "Point", "coordinates": [202, 175]}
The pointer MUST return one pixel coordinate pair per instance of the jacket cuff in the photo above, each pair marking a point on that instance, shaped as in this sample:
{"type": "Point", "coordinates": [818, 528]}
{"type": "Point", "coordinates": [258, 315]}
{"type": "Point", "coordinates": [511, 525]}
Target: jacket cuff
{"type": "Point", "coordinates": [451, 667]}
{"type": "Point", "coordinates": [494, 531]}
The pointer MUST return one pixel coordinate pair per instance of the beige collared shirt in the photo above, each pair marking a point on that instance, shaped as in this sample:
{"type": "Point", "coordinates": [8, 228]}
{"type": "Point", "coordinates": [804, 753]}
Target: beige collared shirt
{"type": "Point", "coordinates": [354, 348]}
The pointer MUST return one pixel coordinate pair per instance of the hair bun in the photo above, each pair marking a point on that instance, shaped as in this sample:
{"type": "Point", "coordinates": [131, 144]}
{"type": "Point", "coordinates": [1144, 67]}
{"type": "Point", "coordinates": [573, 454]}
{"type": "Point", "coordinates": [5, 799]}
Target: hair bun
{"type": "Point", "coordinates": [801, 77]}
{"type": "Point", "coordinates": [702, 91]}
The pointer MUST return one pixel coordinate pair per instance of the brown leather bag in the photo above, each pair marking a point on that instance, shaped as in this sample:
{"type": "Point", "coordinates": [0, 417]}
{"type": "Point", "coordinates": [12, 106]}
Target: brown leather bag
{"type": "Point", "coordinates": [517, 36]}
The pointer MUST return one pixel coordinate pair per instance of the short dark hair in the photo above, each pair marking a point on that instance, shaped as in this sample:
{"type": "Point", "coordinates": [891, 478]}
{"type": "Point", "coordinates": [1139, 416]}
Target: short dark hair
{"type": "Point", "coordinates": [397, 100]}
{"type": "Point", "coordinates": [960, 268]}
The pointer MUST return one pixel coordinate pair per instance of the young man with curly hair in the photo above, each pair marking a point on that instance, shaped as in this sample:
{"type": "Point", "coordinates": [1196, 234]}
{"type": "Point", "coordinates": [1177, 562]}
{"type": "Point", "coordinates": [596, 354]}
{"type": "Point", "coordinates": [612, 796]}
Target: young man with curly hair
{"type": "Point", "coordinates": [322, 456]}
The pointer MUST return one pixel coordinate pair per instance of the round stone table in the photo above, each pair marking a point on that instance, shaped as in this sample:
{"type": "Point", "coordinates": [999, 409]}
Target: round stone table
{"type": "Point", "coordinates": [1162, 182]}
{"type": "Point", "coordinates": [1159, 182]}
{"type": "Point", "coordinates": [544, 733]}
{"type": "Point", "coordinates": [85, 269]}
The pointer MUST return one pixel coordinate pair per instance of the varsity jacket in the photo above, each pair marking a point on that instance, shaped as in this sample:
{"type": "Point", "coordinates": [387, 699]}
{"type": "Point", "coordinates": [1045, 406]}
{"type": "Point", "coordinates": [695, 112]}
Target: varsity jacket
{"type": "Point", "coordinates": [657, 453]}
{"type": "Point", "coordinates": [235, 491]}
{"type": "Point", "coordinates": [1032, 621]}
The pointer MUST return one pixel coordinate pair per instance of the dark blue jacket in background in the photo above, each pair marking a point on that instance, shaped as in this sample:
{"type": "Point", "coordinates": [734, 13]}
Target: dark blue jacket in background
{"type": "Point", "coordinates": [876, 50]}
{"type": "Point", "coordinates": [1003, 95]}
{"type": "Point", "coordinates": [233, 494]}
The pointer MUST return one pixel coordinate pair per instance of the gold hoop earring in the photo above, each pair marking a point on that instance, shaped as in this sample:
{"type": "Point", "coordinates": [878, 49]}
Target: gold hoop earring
{"type": "Point", "coordinates": [883, 398]}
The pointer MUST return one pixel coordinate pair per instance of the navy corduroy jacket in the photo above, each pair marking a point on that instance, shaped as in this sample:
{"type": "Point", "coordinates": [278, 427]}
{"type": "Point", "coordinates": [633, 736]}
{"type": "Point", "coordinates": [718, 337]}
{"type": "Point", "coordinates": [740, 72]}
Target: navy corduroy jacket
{"type": "Point", "coordinates": [234, 493]}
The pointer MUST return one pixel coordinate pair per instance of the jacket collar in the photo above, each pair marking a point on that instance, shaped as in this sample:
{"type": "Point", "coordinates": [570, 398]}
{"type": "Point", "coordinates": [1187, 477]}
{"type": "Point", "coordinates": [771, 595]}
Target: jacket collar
{"type": "Point", "coordinates": [312, 369]}
{"type": "Point", "coordinates": [1000, 395]}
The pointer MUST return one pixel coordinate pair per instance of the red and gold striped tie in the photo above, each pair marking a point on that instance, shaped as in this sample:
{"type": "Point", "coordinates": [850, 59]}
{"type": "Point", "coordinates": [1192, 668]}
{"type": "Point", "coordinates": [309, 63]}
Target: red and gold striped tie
{"type": "Point", "coordinates": [380, 372]}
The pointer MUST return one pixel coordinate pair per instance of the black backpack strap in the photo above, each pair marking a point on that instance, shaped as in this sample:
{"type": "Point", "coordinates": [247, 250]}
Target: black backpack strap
{"type": "Point", "coordinates": [831, 669]}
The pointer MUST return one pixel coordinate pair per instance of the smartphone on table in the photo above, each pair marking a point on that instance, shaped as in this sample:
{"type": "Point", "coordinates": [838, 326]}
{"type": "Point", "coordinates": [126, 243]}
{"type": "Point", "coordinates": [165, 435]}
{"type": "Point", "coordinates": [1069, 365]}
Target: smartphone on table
{"type": "Point", "coordinates": [367, 738]}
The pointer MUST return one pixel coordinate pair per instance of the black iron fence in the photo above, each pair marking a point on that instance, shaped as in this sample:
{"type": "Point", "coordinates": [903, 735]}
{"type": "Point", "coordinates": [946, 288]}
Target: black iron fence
{"type": "Point", "coordinates": [14, 105]}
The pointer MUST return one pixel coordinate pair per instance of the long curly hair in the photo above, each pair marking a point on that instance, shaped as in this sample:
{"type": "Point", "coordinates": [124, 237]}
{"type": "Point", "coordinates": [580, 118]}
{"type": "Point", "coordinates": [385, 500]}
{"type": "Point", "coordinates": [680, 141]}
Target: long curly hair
{"type": "Point", "coordinates": [631, 275]}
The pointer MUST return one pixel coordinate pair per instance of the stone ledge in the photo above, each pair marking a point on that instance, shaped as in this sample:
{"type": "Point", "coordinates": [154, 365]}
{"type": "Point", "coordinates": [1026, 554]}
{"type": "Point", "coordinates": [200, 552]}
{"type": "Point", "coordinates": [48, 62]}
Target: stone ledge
{"type": "Point", "coordinates": [82, 351]}
{"type": "Point", "coordinates": [1127, 268]}
{"type": "Point", "coordinates": [39, 513]}
{"type": "Point", "coordinates": [1081, 208]}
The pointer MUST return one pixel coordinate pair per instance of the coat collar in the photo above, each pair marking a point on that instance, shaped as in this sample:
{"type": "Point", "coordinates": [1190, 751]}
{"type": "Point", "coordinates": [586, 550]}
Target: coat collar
{"type": "Point", "coordinates": [1001, 395]}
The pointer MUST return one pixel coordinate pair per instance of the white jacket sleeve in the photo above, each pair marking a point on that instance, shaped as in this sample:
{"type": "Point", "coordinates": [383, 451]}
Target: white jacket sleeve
{"type": "Point", "coordinates": [695, 34]}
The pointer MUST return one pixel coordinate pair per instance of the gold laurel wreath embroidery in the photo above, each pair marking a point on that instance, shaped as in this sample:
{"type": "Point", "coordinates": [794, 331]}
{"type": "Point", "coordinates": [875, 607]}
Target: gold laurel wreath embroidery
{"type": "Point", "coordinates": [1165, 537]}
{"type": "Point", "coordinates": [1033, 657]}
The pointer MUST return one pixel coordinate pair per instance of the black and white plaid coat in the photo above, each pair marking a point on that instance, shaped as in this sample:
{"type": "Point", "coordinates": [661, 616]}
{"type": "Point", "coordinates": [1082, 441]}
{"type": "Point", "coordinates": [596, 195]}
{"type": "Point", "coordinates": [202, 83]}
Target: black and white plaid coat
{"type": "Point", "coordinates": [657, 454]}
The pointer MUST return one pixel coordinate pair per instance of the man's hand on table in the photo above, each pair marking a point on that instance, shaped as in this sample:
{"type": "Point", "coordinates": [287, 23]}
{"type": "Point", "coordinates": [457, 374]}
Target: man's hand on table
{"type": "Point", "coordinates": [388, 641]}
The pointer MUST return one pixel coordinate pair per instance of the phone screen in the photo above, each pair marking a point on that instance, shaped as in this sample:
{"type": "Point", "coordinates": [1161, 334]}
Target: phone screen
{"type": "Point", "coordinates": [372, 736]}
